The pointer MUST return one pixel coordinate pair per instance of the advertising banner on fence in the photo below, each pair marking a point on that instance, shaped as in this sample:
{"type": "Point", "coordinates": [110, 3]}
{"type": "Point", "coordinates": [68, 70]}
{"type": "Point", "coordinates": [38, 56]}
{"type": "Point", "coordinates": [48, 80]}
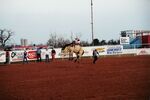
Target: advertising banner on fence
{"type": "Point", "coordinates": [31, 55]}
{"type": "Point", "coordinates": [16, 56]}
{"type": "Point", "coordinates": [114, 50]}
{"type": "Point", "coordinates": [2, 56]}
{"type": "Point", "coordinates": [101, 50]}
{"type": "Point", "coordinates": [88, 51]}
{"type": "Point", "coordinates": [143, 51]}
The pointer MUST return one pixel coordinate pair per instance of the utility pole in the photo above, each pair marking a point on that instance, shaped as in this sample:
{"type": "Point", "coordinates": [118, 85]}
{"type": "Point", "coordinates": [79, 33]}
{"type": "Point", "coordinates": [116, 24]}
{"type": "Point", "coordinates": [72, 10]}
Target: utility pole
{"type": "Point", "coordinates": [71, 36]}
{"type": "Point", "coordinates": [92, 22]}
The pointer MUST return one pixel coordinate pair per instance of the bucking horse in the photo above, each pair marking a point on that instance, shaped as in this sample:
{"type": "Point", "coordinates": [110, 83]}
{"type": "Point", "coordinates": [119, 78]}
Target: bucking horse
{"type": "Point", "coordinates": [73, 48]}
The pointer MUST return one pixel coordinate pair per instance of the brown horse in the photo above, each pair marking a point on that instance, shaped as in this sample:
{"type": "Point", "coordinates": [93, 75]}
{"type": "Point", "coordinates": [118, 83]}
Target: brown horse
{"type": "Point", "coordinates": [72, 48]}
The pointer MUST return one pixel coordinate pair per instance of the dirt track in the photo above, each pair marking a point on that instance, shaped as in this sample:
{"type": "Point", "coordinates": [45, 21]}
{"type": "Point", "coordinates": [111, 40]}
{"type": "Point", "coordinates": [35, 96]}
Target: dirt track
{"type": "Point", "coordinates": [111, 78]}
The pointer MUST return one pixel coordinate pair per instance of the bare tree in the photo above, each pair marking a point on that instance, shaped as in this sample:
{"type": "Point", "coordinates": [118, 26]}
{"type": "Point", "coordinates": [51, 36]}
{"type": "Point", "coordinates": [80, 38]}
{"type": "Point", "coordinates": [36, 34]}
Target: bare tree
{"type": "Point", "coordinates": [57, 41]}
{"type": "Point", "coordinates": [85, 43]}
{"type": "Point", "coordinates": [52, 40]}
{"type": "Point", "coordinates": [5, 36]}
{"type": "Point", "coordinates": [61, 42]}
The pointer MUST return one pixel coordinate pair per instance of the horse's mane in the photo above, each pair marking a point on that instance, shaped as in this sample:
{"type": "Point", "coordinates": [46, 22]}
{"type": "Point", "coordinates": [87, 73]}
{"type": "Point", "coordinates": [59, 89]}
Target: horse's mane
{"type": "Point", "coordinates": [66, 46]}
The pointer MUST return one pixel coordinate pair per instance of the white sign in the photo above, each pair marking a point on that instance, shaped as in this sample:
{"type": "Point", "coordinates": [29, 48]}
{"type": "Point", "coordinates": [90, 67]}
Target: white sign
{"type": "Point", "coordinates": [124, 40]}
{"type": "Point", "coordinates": [2, 56]}
{"type": "Point", "coordinates": [143, 51]}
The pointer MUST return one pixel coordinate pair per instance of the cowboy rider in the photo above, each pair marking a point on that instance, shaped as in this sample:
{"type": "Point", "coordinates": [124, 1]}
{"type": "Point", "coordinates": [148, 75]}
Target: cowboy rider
{"type": "Point", "coordinates": [76, 41]}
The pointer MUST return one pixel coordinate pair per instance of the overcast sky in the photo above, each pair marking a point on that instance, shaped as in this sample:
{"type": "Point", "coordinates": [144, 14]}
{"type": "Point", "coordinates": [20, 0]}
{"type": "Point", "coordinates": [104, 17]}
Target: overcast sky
{"type": "Point", "coordinates": [35, 20]}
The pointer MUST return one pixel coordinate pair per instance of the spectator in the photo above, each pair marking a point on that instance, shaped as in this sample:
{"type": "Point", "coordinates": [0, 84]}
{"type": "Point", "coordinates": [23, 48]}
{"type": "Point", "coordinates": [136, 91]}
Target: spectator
{"type": "Point", "coordinates": [95, 56]}
{"type": "Point", "coordinates": [7, 57]}
{"type": "Point", "coordinates": [34, 47]}
{"type": "Point", "coordinates": [53, 53]}
{"type": "Point", "coordinates": [39, 59]}
{"type": "Point", "coordinates": [25, 57]}
{"type": "Point", "coordinates": [47, 55]}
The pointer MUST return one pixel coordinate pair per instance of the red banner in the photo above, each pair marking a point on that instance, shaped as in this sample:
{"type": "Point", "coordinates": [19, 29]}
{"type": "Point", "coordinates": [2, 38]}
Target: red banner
{"type": "Point", "coordinates": [32, 55]}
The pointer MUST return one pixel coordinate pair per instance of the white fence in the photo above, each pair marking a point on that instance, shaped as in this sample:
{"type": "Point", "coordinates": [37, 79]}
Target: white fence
{"type": "Point", "coordinates": [16, 56]}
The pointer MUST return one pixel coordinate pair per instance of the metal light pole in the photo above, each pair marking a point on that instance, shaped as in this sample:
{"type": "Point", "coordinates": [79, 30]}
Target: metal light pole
{"type": "Point", "coordinates": [92, 21]}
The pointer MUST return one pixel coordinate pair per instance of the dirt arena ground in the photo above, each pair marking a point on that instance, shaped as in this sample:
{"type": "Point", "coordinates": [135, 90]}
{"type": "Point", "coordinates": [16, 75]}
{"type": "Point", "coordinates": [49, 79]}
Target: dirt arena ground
{"type": "Point", "coordinates": [111, 78]}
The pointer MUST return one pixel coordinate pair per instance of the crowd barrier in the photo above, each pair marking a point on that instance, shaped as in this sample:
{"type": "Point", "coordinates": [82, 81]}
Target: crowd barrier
{"type": "Point", "coordinates": [16, 56]}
